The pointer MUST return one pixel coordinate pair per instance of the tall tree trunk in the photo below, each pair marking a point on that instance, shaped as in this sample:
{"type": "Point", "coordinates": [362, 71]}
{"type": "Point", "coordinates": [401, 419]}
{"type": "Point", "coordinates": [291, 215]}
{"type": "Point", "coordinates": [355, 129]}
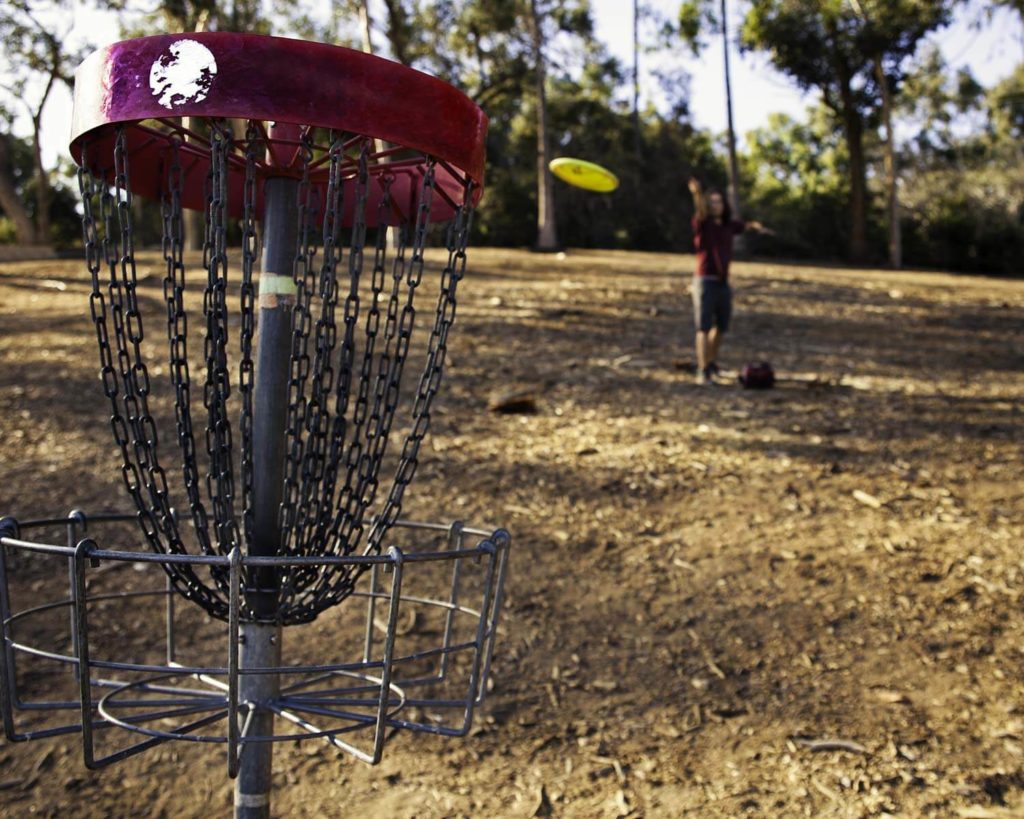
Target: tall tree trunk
{"type": "Point", "coordinates": [398, 30]}
{"type": "Point", "coordinates": [892, 198]}
{"type": "Point", "coordinates": [637, 141]}
{"type": "Point", "coordinates": [853, 133]}
{"type": "Point", "coordinates": [366, 26]}
{"type": "Point", "coordinates": [547, 233]}
{"type": "Point", "coordinates": [44, 192]}
{"type": "Point", "coordinates": [14, 209]}
{"type": "Point", "coordinates": [734, 168]}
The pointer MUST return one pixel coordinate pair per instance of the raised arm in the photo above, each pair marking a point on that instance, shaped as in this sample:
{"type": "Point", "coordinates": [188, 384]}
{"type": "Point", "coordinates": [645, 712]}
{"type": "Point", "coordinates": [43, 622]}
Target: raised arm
{"type": "Point", "coordinates": [757, 227]}
{"type": "Point", "coordinates": [700, 211]}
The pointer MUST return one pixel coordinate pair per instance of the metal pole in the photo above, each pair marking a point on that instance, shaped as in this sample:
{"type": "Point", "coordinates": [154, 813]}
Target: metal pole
{"type": "Point", "coordinates": [261, 642]}
{"type": "Point", "coordinates": [261, 648]}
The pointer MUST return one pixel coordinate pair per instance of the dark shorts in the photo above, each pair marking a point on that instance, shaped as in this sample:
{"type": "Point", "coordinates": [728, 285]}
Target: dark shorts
{"type": "Point", "coordinates": [712, 304]}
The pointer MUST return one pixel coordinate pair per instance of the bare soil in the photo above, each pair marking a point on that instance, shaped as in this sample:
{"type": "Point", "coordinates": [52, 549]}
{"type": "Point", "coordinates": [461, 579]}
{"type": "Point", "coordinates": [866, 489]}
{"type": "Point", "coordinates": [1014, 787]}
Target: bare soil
{"type": "Point", "coordinates": [706, 583]}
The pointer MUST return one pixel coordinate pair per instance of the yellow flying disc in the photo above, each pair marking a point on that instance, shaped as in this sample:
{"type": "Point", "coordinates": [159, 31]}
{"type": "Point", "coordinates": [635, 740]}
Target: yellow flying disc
{"type": "Point", "coordinates": [583, 174]}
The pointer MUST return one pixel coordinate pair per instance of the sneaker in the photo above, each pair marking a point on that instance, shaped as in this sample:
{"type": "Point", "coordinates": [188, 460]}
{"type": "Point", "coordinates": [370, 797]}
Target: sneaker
{"type": "Point", "coordinates": [703, 379]}
{"type": "Point", "coordinates": [713, 370]}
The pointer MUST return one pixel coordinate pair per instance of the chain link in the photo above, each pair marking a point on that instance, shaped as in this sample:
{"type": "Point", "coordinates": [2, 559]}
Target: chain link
{"type": "Point", "coordinates": [355, 500]}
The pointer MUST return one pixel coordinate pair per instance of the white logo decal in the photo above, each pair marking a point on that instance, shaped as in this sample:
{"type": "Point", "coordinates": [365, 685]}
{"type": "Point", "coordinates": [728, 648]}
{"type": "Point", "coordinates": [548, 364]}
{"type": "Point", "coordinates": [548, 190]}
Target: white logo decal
{"type": "Point", "coordinates": [182, 74]}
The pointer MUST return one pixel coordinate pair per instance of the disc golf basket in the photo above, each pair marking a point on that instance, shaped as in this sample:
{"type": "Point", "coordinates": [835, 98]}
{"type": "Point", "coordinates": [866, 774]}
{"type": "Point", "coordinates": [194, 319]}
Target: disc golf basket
{"type": "Point", "coordinates": [269, 430]}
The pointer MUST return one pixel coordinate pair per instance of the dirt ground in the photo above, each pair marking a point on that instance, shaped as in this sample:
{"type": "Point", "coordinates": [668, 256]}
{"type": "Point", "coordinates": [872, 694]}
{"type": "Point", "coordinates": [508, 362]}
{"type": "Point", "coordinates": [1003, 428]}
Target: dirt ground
{"type": "Point", "coordinates": [706, 583]}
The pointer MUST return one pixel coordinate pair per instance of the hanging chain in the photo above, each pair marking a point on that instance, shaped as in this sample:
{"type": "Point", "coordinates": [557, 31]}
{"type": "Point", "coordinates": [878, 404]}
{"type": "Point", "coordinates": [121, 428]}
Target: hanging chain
{"type": "Point", "coordinates": [360, 411]}
{"type": "Point", "coordinates": [318, 415]}
{"type": "Point", "coordinates": [321, 470]}
{"type": "Point", "coordinates": [300, 362]}
{"type": "Point", "coordinates": [246, 367]}
{"type": "Point", "coordinates": [433, 370]}
{"type": "Point", "coordinates": [128, 384]}
{"type": "Point", "coordinates": [173, 244]}
{"type": "Point", "coordinates": [217, 389]}
{"type": "Point", "coordinates": [358, 496]}
{"type": "Point", "coordinates": [332, 588]}
{"type": "Point", "coordinates": [325, 483]}
{"type": "Point", "coordinates": [342, 401]}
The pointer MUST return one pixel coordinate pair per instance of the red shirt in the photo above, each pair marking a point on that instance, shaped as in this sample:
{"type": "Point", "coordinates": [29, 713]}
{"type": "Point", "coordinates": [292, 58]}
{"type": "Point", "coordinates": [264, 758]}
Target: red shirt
{"type": "Point", "coordinates": [713, 243]}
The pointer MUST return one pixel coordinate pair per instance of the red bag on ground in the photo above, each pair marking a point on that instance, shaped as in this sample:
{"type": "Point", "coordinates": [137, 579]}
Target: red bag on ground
{"type": "Point", "coordinates": [757, 376]}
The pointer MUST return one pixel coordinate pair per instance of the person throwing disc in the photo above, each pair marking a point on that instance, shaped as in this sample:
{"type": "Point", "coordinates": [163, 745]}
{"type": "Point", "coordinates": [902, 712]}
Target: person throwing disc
{"type": "Point", "coordinates": [714, 228]}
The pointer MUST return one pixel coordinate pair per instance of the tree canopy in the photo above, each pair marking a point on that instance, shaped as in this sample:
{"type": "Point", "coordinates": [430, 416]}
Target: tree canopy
{"type": "Point", "coordinates": [551, 87]}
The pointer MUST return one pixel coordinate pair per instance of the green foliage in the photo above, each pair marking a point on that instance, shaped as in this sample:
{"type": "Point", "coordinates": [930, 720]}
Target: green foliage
{"type": "Point", "coordinates": [650, 210]}
{"type": "Point", "coordinates": [963, 192]}
{"type": "Point", "coordinates": [32, 48]}
{"type": "Point", "coordinates": [796, 179]}
{"type": "Point", "coordinates": [20, 161]}
{"type": "Point", "coordinates": [8, 232]}
{"type": "Point", "coordinates": [198, 15]}
{"type": "Point", "coordinates": [972, 222]}
{"type": "Point", "coordinates": [938, 105]}
{"type": "Point", "coordinates": [698, 18]}
{"type": "Point", "coordinates": [831, 46]}
{"type": "Point", "coordinates": [1006, 108]}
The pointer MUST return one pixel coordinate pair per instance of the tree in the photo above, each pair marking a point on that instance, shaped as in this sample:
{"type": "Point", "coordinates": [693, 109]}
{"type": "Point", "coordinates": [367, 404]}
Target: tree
{"type": "Point", "coordinates": [853, 57]}
{"type": "Point", "coordinates": [796, 176]}
{"type": "Point", "coordinates": [885, 91]}
{"type": "Point", "coordinates": [192, 15]}
{"type": "Point", "coordinates": [963, 195]}
{"type": "Point", "coordinates": [1006, 108]}
{"type": "Point", "coordinates": [502, 52]}
{"type": "Point", "coordinates": [547, 231]}
{"type": "Point", "coordinates": [936, 105]}
{"type": "Point", "coordinates": [35, 61]}
{"type": "Point", "coordinates": [891, 35]}
{"type": "Point", "coordinates": [404, 27]}
{"type": "Point", "coordinates": [734, 193]}
{"type": "Point", "coordinates": [696, 16]}
{"type": "Point", "coordinates": [962, 191]}
{"type": "Point", "coordinates": [637, 132]}
{"type": "Point", "coordinates": [401, 32]}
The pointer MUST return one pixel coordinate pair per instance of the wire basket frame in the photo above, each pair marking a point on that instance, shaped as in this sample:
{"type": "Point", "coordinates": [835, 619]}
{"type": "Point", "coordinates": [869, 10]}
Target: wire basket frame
{"type": "Point", "coordinates": [427, 682]}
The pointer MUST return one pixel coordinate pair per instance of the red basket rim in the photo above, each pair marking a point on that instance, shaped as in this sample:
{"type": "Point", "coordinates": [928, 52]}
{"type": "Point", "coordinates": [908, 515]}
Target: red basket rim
{"type": "Point", "coordinates": [277, 79]}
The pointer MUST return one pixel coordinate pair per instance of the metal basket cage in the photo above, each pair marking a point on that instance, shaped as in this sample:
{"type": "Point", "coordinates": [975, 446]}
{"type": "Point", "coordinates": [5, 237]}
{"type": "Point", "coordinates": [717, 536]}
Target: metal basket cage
{"type": "Point", "coordinates": [183, 684]}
